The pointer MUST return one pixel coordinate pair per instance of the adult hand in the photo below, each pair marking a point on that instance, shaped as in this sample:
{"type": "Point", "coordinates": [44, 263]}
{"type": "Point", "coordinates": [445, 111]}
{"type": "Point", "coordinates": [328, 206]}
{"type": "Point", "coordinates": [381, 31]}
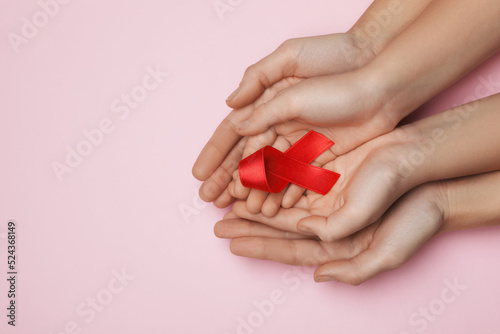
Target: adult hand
{"type": "Point", "coordinates": [382, 246]}
{"type": "Point", "coordinates": [293, 61]}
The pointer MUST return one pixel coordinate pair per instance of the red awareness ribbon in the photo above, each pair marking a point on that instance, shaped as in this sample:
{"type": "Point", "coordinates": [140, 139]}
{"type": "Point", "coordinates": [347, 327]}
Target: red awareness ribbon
{"type": "Point", "coordinates": [271, 170]}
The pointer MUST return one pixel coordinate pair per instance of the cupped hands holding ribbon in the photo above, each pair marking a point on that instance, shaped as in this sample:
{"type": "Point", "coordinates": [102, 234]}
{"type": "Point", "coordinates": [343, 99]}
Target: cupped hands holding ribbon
{"type": "Point", "coordinates": [354, 90]}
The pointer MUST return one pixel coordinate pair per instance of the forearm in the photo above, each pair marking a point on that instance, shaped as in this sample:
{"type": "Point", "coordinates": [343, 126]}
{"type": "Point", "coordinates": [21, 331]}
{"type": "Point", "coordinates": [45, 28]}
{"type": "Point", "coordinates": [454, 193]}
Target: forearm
{"type": "Point", "coordinates": [458, 142]}
{"type": "Point", "coordinates": [383, 21]}
{"type": "Point", "coordinates": [449, 39]}
{"type": "Point", "coordinates": [471, 202]}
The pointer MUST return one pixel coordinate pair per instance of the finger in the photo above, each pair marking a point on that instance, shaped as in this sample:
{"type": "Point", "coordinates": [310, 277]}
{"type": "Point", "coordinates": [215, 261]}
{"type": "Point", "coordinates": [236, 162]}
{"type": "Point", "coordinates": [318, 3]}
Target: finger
{"type": "Point", "coordinates": [239, 191]}
{"type": "Point", "coordinates": [272, 204]}
{"type": "Point", "coordinates": [220, 145]}
{"type": "Point", "coordinates": [334, 227]}
{"type": "Point", "coordinates": [255, 200]}
{"type": "Point", "coordinates": [230, 228]}
{"type": "Point", "coordinates": [352, 271]}
{"type": "Point", "coordinates": [292, 195]}
{"type": "Point", "coordinates": [312, 101]}
{"type": "Point", "coordinates": [230, 215]}
{"type": "Point", "coordinates": [366, 200]}
{"type": "Point", "coordinates": [283, 107]}
{"type": "Point", "coordinates": [230, 187]}
{"type": "Point", "coordinates": [295, 192]}
{"type": "Point", "coordinates": [263, 74]}
{"type": "Point", "coordinates": [279, 250]}
{"type": "Point", "coordinates": [289, 104]}
{"type": "Point", "coordinates": [389, 243]}
{"type": "Point", "coordinates": [286, 219]}
{"type": "Point", "coordinates": [305, 252]}
{"type": "Point", "coordinates": [218, 181]}
{"type": "Point", "coordinates": [369, 194]}
{"type": "Point", "coordinates": [224, 200]}
{"type": "Point", "coordinates": [253, 144]}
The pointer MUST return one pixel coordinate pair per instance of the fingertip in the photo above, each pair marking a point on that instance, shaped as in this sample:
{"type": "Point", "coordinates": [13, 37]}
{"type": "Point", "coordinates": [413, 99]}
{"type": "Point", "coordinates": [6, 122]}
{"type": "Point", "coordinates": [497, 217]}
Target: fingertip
{"type": "Point", "coordinates": [270, 209]}
{"type": "Point", "coordinates": [323, 279]}
{"type": "Point", "coordinates": [327, 273]}
{"type": "Point", "coordinates": [292, 196]}
{"type": "Point", "coordinates": [204, 196]}
{"type": "Point", "coordinates": [309, 225]}
{"type": "Point", "coordinates": [350, 271]}
{"type": "Point", "coordinates": [287, 203]}
{"type": "Point", "coordinates": [210, 190]}
{"type": "Point", "coordinates": [239, 208]}
{"type": "Point", "coordinates": [240, 246]}
{"type": "Point", "coordinates": [338, 225]}
{"type": "Point", "coordinates": [224, 200]}
{"type": "Point", "coordinates": [254, 207]}
{"type": "Point", "coordinates": [272, 204]}
{"type": "Point", "coordinates": [240, 191]}
{"type": "Point", "coordinates": [255, 201]}
{"type": "Point", "coordinates": [199, 172]}
{"type": "Point", "coordinates": [219, 229]}
{"type": "Point", "coordinates": [229, 215]}
{"type": "Point", "coordinates": [233, 95]}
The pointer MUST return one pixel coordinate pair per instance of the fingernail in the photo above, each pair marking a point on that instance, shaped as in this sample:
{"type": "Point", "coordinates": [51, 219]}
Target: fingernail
{"type": "Point", "coordinates": [243, 125]}
{"type": "Point", "coordinates": [233, 94]}
{"type": "Point", "coordinates": [321, 279]}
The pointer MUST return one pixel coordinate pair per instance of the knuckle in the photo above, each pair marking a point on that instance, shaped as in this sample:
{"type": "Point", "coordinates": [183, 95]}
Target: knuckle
{"type": "Point", "coordinates": [287, 44]}
{"type": "Point", "coordinates": [391, 260]}
{"type": "Point", "coordinates": [250, 72]}
{"type": "Point", "coordinates": [355, 280]}
{"type": "Point", "coordinates": [254, 73]}
{"type": "Point", "coordinates": [289, 47]}
{"type": "Point", "coordinates": [291, 50]}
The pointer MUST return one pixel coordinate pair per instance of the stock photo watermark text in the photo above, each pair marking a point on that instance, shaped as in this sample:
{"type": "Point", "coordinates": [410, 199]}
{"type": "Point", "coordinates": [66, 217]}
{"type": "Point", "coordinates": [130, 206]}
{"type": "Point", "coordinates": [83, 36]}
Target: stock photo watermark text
{"type": "Point", "coordinates": [88, 309]}
{"type": "Point", "coordinates": [122, 107]}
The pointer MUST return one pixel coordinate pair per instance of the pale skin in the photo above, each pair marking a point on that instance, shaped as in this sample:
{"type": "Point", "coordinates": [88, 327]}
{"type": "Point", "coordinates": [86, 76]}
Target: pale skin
{"type": "Point", "coordinates": [350, 99]}
{"type": "Point", "coordinates": [372, 221]}
{"type": "Point", "coordinates": [376, 174]}
{"type": "Point", "coordinates": [418, 216]}
{"type": "Point", "coordinates": [363, 228]}
{"type": "Point", "coordinates": [294, 61]}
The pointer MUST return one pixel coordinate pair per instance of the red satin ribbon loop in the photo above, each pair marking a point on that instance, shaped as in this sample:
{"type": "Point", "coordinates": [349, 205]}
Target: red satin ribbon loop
{"type": "Point", "coordinates": [271, 170]}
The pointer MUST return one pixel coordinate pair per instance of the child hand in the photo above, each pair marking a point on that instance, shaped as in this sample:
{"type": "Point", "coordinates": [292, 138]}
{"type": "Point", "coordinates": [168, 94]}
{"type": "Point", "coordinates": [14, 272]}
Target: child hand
{"type": "Point", "coordinates": [382, 246]}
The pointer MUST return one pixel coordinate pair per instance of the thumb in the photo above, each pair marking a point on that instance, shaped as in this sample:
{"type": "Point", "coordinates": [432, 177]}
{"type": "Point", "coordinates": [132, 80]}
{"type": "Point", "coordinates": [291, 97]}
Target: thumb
{"type": "Point", "coordinates": [263, 74]}
{"type": "Point", "coordinates": [340, 224]}
{"type": "Point", "coordinates": [327, 100]}
{"type": "Point", "coordinates": [283, 107]}
{"type": "Point", "coordinates": [353, 271]}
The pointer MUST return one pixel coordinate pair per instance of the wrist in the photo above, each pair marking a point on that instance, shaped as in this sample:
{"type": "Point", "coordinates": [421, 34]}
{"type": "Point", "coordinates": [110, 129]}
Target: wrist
{"type": "Point", "coordinates": [364, 44]}
{"type": "Point", "coordinates": [448, 190]}
{"type": "Point", "coordinates": [437, 205]}
{"type": "Point", "coordinates": [389, 92]}
{"type": "Point", "coordinates": [470, 202]}
{"type": "Point", "coordinates": [403, 155]}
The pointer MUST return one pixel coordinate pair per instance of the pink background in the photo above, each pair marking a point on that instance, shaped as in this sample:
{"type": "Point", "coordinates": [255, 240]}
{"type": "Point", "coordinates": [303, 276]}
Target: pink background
{"type": "Point", "coordinates": [120, 209]}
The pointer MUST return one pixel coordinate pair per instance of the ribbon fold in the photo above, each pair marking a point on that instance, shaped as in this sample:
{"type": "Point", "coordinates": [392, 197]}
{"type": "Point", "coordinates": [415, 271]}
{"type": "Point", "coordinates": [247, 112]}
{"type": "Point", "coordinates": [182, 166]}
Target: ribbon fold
{"type": "Point", "coordinates": [271, 170]}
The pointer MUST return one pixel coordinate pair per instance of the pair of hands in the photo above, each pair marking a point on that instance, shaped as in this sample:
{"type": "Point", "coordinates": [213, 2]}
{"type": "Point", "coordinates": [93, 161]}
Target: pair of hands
{"type": "Point", "coordinates": [361, 228]}
{"type": "Point", "coordinates": [276, 105]}
{"type": "Point", "coordinates": [306, 84]}
{"type": "Point", "coordinates": [315, 84]}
